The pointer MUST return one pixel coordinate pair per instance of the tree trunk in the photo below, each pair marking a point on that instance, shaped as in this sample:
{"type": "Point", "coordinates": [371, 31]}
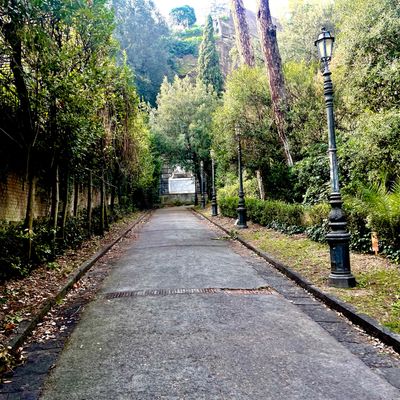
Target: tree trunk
{"type": "Point", "coordinates": [243, 38]}
{"type": "Point", "coordinates": [102, 206]}
{"type": "Point", "coordinates": [65, 201]}
{"type": "Point", "coordinates": [260, 184]}
{"type": "Point", "coordinates": [89, 204]}
{"type": "Point", "coordinates": [112, 200]}
{"type": "Point", "coordinates": [121, 188]}
{"type": "Point", "coordinates": [12, 36]}
{"type": "Point", "coordinates": [29, 212]}
{"type": "Point", "coordinates": [113, 193]}
{"type": "Point", "coordinates": [273, 63]}
{"type": "Point", "coordinates": [55, 201]}
{"type": "Point", "coordinates": [106, 226]}
{"type": "Point", "coordinates": [76, 197]}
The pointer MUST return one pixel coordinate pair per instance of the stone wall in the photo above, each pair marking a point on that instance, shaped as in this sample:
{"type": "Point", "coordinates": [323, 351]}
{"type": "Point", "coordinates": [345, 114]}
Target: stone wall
{"type": "Point", "coordinates": [168, 198]}
{"type": "Point", "coordinates": [177, 199]}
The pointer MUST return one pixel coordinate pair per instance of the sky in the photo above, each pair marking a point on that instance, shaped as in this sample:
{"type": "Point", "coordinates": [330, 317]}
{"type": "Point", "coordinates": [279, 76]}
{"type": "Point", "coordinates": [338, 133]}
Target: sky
{"type": "Point", "coordinates": [202, 7]}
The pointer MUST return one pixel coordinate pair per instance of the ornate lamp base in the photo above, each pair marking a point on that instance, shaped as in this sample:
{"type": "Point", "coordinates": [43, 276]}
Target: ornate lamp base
{"type": "Point", "coordinates": [338, 239]}
{"type": "Point", "coordinates": [241, 222]}
{"type": "Point", "coordinates": [342, 281]}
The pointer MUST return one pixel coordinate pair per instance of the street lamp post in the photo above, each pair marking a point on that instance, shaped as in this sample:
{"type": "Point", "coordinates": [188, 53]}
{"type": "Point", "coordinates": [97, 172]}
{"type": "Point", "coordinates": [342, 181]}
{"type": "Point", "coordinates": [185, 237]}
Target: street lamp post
{"type": "Point", "coordinates": [338, 238]}
{"type": "Point", "coordinates": [214, 205]}
{"type": "Point", "coordinates": [241, 210]}
{"type": "Point", "coordinates": [203, 198]}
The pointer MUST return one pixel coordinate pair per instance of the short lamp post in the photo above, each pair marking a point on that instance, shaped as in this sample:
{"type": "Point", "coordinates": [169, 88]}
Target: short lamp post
{"type": "Point", "coordinates": [241, 210]}
{"type": "Point", "coordinates": [214, 205]}
{"type": "Point", "coordinates": [203, 198]}
{"type": "Point", "coordinates": [338, 238]}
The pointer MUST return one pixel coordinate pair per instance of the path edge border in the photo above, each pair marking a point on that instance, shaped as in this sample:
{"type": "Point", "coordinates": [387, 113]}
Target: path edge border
{"type": "Point", "coordinates": [368, 324]}
{"type": "Point", "coordinates": [30, 325]}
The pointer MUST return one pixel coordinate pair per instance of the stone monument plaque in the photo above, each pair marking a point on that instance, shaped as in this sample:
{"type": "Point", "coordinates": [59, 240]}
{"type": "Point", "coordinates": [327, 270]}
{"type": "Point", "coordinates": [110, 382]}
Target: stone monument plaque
{"type": "Point", "coordinates": [181, 185]}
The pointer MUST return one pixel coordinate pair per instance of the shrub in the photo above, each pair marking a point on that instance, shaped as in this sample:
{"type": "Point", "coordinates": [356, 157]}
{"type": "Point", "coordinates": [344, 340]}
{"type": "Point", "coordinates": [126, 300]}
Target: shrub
{"type": "Point", "coordinates": [274, 214]}
{"type": "Point", "coordinates": [313, 220]}
{"type": "Point", "coordinates": [14, 260]}
{"type": "Point", "coordinates": [250, 187]}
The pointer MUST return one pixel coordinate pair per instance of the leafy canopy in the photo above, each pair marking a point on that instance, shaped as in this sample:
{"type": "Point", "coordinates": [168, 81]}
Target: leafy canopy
{"type": "Point", "coordinates": [184, 16]}
{"type": "Point", "coordinates": [182, 122]}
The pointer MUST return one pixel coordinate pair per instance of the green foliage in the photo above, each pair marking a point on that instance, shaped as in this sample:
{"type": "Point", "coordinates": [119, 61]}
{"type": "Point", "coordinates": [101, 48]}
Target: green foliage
{"type": "Point", "coordinates": [231, 187]}
{"type": "Point", "coordinates": [373, 210]}
{"type": "Point", "coordinates": [83, 106]}
{"type": "Point", "coordinates": [70, 106]}
{"type": "Point", "coordinates": [372, 149]}
{"type": "Point", "coordinates": [246, 104]}
{"type": "Point", "coordinates": [209, 70]}
{"type": "Point", "coordinates": [182, 122]}
{"type": "Point", "coordinates": [368, 52]}
{"type": "Point", "coordinates": [192, 32]}
{"type": "Point", "coordinates": [142, 33]}
{"type": "Point", "coordinates": [184, 47]}
{"type": "Point", "coordinates": [272, 213]}
{"type": "Point", "coordinates": [183, 16]}
{"type": "Point", "coordinates": [380, 210]}
{"type": "Point", "coordinates": [307, 108]}
{"type": "Point", "coordinates": [311, 176]}
{"type": "Point", "coordinates": [301, 30]}
{"type": "Point", "coordinates": [13, 241]}
{"type": "Point", "coordinates": [366, 77]}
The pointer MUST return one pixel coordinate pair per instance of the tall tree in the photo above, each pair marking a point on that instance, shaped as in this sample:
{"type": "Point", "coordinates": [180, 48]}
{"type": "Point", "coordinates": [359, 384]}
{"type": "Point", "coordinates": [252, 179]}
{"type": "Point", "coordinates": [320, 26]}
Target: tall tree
{"type": "Point", "coordinates": [142, 31]}
{"type": "Point", "coordinates": [300, 30]}
{"type": "Point", "coordinates": [209, 70]}
{"type": "Point", "coordinates": [183, 16]}
{"type": "Point", "coordinates": [182, 122]}
{"type": "Point", "coordinates": [247, 103]}
{"type": "Point", "coordinates": [243, 39]}
{"type": "Point", "coordinates": [273, 63]}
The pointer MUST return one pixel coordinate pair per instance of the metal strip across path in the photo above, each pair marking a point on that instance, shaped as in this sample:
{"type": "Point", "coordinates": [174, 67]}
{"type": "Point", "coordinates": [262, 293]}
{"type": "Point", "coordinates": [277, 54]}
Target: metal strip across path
{"type": "Point", "coordinates": [184, 316]}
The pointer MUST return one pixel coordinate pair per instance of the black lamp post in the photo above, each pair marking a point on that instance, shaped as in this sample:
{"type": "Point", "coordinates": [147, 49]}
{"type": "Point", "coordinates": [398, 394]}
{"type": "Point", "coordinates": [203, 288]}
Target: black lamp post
{"type": "Point", "coordinates": [203, 198]}
{"type": "Point", "coordinates": [241, 210]}
{"type": "Point", "coordinates": [214, 205]}
{"type": "Point", "coordinates": [338, 238]}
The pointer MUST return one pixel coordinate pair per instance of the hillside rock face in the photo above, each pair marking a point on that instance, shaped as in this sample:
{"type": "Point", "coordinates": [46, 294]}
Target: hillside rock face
{"type": "Point", "coordinates": [226, 44]}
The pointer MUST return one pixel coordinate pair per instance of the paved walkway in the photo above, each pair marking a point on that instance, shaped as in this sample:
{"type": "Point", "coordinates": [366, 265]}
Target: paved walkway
{"type": "Point", "coordinates": [210, 344]}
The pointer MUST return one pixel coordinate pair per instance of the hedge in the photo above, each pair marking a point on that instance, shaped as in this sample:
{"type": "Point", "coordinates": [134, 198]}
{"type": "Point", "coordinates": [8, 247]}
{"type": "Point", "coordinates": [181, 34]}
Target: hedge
{"type": "Point", "coordinates": [313, 220]}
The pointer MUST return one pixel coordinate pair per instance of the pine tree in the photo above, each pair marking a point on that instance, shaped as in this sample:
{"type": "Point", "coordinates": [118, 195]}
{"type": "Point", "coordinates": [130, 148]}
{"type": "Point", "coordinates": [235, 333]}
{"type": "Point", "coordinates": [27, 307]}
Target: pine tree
{"type": "Point", "coordinates": [273, 62]}
{"type": "Point", "coordinates": [209, 71]}
{"type": "Point", "coordinates": [243, 39]}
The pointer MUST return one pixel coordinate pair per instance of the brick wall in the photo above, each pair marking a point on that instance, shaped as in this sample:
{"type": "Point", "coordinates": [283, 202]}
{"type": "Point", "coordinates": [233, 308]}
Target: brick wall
{"type": "Point", "coordinates": [14, 194]}
{"type": "Point", "coordinates": [13, 199]}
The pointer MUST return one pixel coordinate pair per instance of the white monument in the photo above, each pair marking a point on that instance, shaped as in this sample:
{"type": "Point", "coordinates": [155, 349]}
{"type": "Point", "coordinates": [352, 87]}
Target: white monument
{"type": "Point", "coordinates": [181, 182]}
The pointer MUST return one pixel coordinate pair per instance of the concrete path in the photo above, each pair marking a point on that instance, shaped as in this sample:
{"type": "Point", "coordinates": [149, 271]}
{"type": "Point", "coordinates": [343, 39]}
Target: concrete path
{"type": "Point", "coordinates": [210, 344]}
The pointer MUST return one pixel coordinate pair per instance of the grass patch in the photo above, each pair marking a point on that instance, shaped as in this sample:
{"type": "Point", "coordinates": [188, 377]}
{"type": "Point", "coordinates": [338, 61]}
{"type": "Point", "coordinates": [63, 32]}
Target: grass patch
{"type": "Point", "coordinates": [301, 254]}
{"type": "Point", "coordinates": [378, 281]}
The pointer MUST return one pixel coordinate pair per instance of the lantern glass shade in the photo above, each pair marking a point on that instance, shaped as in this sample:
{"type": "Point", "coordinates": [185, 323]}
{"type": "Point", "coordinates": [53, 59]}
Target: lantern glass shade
{"type": "Point", "coordinates": [324, 44]}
